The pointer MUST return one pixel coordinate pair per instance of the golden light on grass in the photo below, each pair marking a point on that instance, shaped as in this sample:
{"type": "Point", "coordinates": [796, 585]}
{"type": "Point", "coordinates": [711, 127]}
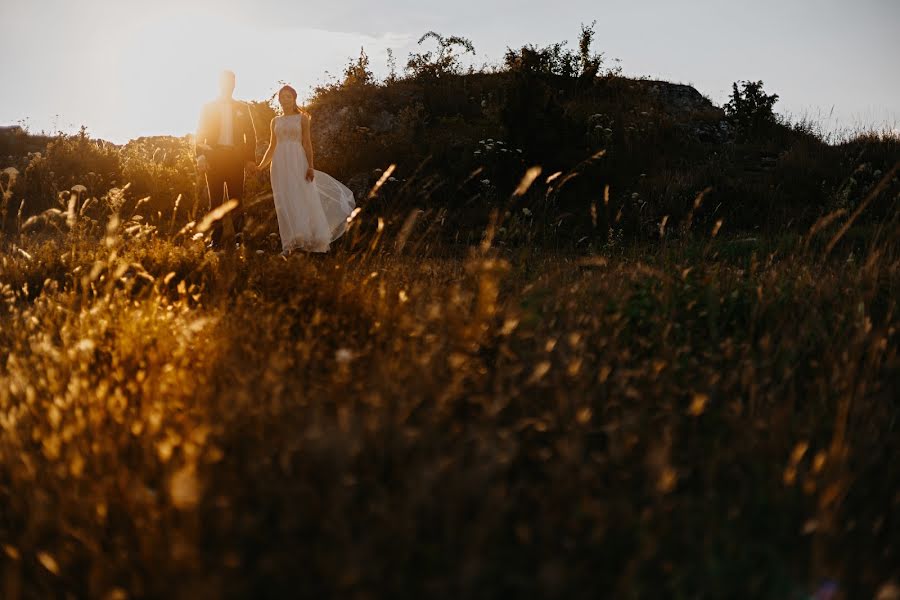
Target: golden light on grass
{"type": "Point", "coordinates": [698, 404]}
{"type": "Point", "coordinates": [215, 214]}
{"type": "Point", "coordinates": [528, 179]}
{"type": "Point", "coordinates": [48, 562]}
{"type": "Point", "coordinates": [382, 180]}
{"type": "Point", "coordinates": [184, 488]}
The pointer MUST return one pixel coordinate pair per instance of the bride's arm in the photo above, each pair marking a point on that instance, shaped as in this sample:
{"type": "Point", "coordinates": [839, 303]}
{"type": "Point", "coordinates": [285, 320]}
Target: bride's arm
{"type": "Point", "coordinates": [273, 143]}
{"type": "Point", "coordinates": [307, 147]}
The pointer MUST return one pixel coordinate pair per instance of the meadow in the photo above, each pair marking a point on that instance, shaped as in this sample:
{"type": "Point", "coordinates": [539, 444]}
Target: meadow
{"type": "Point", "coordinates": [484, 390]}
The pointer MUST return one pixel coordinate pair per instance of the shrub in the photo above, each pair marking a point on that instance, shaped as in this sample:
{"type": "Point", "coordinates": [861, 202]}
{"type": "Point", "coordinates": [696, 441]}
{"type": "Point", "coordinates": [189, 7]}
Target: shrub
{"type": "Point", "coordinates": [556, 59]}
{"type": "Point", "coordinates": [444, 62]}
{"type": "Point", "coordinates": [750, 108]}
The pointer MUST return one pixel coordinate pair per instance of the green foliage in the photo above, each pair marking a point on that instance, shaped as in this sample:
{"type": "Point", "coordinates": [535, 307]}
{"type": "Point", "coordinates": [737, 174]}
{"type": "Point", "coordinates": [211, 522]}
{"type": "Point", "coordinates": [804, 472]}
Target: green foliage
{"type": "Point", "coordinates": [445, 61]}
{"type": "Point", "coordinates": [357, 71]}
{"type": "Point", "coordinates": [556, 59]}
{"type": "Point", "coordinates": [73, 157]}
{"type": "Point", "coordinates": [161, 168]}
{"type": "Point", "coordinates": [749, 107]}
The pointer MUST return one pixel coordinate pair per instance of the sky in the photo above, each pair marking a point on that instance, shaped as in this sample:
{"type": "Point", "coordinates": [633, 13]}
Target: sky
{"type": "Point", "coordinates": [129, 68]}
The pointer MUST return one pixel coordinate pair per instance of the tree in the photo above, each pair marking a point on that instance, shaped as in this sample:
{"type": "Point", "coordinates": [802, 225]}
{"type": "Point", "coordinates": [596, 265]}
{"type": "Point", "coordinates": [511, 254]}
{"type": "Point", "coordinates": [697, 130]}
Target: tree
{"type": "Point", "coordinates": [750, 108]}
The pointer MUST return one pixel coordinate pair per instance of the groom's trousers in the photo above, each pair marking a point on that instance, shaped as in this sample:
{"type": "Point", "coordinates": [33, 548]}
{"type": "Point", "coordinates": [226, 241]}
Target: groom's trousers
{"type": "Point", "coordinates": [225, 178]}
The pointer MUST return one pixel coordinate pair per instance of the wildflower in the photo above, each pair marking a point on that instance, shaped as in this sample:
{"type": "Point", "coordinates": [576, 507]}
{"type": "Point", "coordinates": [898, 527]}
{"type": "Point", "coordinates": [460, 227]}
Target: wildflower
{"type": "Point", "coordinates": [477, 152]}
{"type": "Point", "coordinates": [526, 212]}
{"type": "Point", "coordinates": [12, 172]}
{"type": "Point", "coordinates": [343, 355]}
{"type": "Point", "coordinates": [486, 182]}
{"type": "Point", "coordinates": [79, 189]}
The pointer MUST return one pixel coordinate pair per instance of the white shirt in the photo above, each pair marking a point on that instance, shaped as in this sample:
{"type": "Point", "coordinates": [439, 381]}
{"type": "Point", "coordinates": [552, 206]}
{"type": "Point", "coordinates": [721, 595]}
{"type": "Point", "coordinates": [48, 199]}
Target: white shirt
{"type": "Point", "coordinates": [226, 126]}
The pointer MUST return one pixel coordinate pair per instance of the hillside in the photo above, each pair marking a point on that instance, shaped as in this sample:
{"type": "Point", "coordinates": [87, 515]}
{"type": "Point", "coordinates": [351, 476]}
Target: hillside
{"type": "Point", "coordinates": [592, 337]}
{"type": "Point", "coordinates": [630, 153]}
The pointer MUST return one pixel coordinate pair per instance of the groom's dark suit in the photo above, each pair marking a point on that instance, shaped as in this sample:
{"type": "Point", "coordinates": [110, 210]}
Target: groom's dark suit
{"type": "Point", "coordinates": [226, 155]}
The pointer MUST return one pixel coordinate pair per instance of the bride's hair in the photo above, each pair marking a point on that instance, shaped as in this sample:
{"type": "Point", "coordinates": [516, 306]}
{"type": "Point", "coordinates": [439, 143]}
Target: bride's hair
{"type": "Point", "coordinates": [293, 93]}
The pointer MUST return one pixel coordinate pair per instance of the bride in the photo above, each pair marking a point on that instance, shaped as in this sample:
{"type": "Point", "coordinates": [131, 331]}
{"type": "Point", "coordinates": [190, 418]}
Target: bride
{"type": "Point", "coordinates": [312, 207]}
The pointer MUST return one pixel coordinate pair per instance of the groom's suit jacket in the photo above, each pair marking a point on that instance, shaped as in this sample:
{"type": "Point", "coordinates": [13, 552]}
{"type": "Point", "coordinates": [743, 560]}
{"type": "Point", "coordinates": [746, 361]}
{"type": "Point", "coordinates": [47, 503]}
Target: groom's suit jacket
{"type": "Point", "coordinates": [244, 132]}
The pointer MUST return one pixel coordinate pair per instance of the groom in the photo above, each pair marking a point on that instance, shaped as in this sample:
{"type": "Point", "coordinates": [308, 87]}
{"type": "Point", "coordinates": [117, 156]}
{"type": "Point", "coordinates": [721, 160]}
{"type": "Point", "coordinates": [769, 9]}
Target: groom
{"type": "Point", "coordinates": [224, 145]}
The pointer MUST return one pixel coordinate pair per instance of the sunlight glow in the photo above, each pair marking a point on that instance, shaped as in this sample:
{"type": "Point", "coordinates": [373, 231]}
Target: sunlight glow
{"type": "Point", "coordinates": [167, 67]}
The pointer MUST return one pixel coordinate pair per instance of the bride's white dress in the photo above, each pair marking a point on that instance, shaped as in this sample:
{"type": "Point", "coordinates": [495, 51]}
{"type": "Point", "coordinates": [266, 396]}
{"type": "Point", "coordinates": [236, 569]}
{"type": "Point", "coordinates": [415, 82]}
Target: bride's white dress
{"type": "Point", "coordinates": [311, 215]}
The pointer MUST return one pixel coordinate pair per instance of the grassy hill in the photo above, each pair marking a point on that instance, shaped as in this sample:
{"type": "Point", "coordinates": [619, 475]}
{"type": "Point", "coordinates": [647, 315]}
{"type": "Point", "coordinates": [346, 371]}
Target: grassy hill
{"type": "Point", "coordinates": [668, 367]}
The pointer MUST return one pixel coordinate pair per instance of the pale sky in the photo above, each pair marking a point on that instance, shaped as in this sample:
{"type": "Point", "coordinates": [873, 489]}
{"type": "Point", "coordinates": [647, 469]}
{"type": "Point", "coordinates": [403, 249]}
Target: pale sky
{"type": "Point", "coordinates": [126, 68]}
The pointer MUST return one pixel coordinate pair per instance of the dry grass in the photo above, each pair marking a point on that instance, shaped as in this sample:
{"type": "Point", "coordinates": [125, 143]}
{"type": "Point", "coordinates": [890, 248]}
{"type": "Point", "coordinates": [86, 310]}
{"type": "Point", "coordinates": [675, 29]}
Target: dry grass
{"type": "Point", "coordinates": [712, 419]}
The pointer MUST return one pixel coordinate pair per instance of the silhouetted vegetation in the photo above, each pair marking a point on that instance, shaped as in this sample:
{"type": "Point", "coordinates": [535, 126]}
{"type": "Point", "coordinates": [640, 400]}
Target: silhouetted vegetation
{"type": "Point", "coordinates": [749, 107]}
{"type": "Point", "coordinates": [584, 338]}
